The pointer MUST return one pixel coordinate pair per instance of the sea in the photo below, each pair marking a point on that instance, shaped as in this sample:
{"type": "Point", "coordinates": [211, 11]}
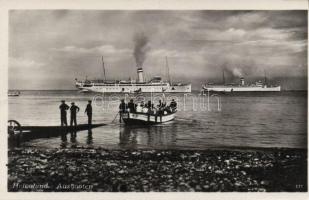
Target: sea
{"type": "Point", "coordinates": [203, 121]}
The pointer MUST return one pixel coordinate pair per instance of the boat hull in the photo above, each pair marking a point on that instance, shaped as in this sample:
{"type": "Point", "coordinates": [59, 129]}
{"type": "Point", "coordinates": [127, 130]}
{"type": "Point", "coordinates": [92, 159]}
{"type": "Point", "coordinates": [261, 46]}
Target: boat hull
{"type": "Point", "coordinates": [243, 89]}
{"type": "Point", "coordinates": [146, 119]}
{"type": "Point", "coordinates": [133, 88]}
{"type": "Point", "coordinates": [14, 94]}
{"type": "Point", "coordinates": [44, 129]}
{"type": "Point", "coordinates": [35, 132]}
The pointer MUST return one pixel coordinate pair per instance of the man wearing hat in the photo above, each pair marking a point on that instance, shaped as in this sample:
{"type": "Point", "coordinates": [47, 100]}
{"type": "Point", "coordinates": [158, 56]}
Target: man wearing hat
{"type": "Point", "coordinates": [63, 113]}
{"type": "Point", "coordinates": [74, 109]}
{"type": "Point", "coordinates": [122, 108]}
{"type": "Point", "coordinates": [88, 111]}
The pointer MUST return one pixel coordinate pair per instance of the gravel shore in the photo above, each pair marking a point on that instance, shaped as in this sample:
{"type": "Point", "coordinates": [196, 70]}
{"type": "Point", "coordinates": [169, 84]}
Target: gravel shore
{"type": "Point", "coordinates": [67, 170]}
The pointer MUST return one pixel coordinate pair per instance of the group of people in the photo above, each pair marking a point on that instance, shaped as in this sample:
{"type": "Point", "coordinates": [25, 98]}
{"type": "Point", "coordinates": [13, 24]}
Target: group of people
{"type": "Point", "coordinates": [149, 107]}
{"type": "Point", "coordinates": [74, 109]}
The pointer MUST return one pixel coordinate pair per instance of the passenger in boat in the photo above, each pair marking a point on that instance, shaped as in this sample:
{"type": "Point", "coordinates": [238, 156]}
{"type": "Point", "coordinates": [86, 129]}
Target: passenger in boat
{"type": "Point", "coordinates": [148, 105]}
{"type": "Point", "coordinates": [139, 108]}
{"type": "Point", "coordinates": [132, 106]}
{"type": "Point", "coordinates": [74, 109]}
{"type": "Point", "coordinates": [164, 104]}
{"type": "Point", "coordinates": [88, 111]}
{"type": "Point", "coordinates": [145, 110]}
{"type": "Point", "coordinates": [63, 113]}
{"type": "Point", "coordinates": [142, 104]}
{"type": "Point", "coordinates": [160, 108]}
{"type": "Point", "coordinates": [173, 105]}
{"type": "Point", "coordinates": [160, 105]}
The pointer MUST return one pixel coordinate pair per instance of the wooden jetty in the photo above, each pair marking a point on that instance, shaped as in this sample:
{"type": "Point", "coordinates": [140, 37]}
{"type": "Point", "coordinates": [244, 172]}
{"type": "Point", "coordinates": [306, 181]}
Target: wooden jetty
{"type": "Point", "coordinates": [44, 129]}
{"type": "Point", "coordinates": [25, 133]}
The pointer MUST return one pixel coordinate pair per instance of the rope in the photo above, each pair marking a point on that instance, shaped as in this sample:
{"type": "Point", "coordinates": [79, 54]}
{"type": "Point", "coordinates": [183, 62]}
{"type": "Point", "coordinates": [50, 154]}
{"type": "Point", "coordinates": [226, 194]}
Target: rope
{"type": "Point", "coordinates": [115, 117]}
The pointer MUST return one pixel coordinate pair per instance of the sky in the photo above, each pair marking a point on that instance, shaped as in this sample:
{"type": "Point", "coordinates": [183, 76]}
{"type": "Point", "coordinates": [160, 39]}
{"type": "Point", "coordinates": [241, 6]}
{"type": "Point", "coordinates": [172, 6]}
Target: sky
{"type": "Point", "coordinates": [48, 49]}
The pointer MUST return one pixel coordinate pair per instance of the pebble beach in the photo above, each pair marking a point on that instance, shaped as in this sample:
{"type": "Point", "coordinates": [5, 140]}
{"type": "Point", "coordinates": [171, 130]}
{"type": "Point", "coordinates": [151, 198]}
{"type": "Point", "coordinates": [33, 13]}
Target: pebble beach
{"type": "Point", "coordinates": [103, 170]}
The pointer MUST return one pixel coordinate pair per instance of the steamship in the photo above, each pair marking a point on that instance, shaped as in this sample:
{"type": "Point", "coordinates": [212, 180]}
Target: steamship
{"type": "Point", "coordinates": [258, 86]}
{"type": "Point", "coordinates": [155, 85]}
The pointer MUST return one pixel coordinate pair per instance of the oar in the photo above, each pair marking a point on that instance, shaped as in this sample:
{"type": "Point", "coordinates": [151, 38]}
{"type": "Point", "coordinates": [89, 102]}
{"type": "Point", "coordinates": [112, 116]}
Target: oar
{"type": "Point", "coordinates": [115, 117]}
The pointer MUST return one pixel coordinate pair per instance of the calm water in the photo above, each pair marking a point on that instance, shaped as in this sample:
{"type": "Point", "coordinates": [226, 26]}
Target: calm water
{"type": "Point", "coordinates": [251, 120]}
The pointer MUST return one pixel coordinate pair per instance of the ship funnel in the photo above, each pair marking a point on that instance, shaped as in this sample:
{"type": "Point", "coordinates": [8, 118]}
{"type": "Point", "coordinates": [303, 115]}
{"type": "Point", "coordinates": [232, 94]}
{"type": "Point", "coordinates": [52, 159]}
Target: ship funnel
{"type": "Point", "coordinates": [242, 81]}
{"type": "Point", "coordinates": [140, 75]}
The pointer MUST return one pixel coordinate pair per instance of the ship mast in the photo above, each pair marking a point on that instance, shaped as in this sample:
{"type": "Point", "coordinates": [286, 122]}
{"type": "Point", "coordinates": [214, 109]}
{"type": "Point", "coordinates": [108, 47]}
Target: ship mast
{"type": "Point", "coordinates": [103, 68]}
{"type": "Point", "coordinates": [168, 71]}
{"type": "Point", "coordinates": [265, 79]}
{"type": "Point", "coordinates": [223, 77]}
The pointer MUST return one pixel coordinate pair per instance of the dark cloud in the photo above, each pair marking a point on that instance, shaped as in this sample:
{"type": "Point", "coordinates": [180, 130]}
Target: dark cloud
{"type": "Point", "coordinates": [69, 43]}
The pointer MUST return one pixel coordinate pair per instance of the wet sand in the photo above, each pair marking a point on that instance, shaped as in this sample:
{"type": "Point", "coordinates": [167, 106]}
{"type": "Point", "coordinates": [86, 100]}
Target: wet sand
{"type": "Point", "coordinates": [67, 170]}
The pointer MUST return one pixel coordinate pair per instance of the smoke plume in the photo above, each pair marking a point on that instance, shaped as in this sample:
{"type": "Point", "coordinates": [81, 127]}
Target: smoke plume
{"type": "Point", "coordinates": [237, 68]}
{"type": "Point", "coordinates": [140, 48]}
{"type": "Point", "coordinates": [237, 72]}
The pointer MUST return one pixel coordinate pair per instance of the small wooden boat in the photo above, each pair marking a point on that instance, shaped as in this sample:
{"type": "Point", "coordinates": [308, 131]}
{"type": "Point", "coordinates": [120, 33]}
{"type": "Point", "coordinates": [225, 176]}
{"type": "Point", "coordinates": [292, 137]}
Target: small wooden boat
{"type": "Point", "coordinates": [146, 118]}
{"type": "Point", "coordinates": [13, 94]}
{"type": "Point", "coordinates": [15, 130]}
{"type": "Point", "coordinates": [44, 129]}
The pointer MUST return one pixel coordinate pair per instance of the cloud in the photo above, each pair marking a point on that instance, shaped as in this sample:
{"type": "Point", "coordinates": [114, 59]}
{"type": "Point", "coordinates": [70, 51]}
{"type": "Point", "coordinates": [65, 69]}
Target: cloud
{"type": "Point", "coordinates": [167, 52]}
{"type": "Point", "coordinates": [275, 46]}
{"type": "Point", "coordinates": [24, 63]}
{"type": "Point", "coordinates": [197, 43]}
{"type": "Point", "coordinates": [103, 49]}
{"type": "Point", "coordinates": [247, 20]}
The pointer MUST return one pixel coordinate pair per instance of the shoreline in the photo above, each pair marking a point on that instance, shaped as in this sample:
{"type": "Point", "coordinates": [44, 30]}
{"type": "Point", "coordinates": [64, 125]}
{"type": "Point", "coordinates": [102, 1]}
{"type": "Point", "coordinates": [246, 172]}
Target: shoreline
{"type": "Point", "coordinates": [180, 148]}
{"type": "Point", "coordinates": [144, 170]}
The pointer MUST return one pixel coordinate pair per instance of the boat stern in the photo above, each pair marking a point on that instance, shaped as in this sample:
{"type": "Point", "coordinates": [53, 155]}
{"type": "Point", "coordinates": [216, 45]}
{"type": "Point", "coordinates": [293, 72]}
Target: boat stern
{"type": "Point", "coordinates": [145, 118]}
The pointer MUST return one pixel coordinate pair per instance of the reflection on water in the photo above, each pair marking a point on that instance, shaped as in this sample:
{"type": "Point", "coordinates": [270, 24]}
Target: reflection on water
{"type": "Point", "coordinates": [64, 139]}
{"type": "Point", "coordinates": [151, 136]}
{"type": "Point", "coordinates": [127, 137]}
{"type": "Point", "coordinates": [89, 137]}
{"type": "Point", "coordinates": [253, 120]}
{"type": "Point", "coordinates": [73, 139]}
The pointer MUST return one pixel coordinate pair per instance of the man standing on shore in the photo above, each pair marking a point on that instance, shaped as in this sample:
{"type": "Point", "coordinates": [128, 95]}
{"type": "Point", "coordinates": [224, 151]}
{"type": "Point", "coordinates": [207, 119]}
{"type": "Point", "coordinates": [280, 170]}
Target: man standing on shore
{"type": "Point", "coordinates": [74, 109]}
{"type": "Point", "coordinates": [88, 111]}
{"type": "Point", "coordinates": [63, 113]}
{"type": "Point", "coordinates": [122, 109]}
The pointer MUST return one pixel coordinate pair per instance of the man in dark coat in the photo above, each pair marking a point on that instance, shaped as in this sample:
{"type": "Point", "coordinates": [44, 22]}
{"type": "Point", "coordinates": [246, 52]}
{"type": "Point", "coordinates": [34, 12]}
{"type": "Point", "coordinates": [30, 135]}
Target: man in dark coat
{"type": "Point", "coordinates": [160, 107]}
{"type": "Point", "coordinates": [74, 109]}
{"type": "Point", "coordinates": [173, 105]}
{"type": "Point", "coordinates": [131, 106]}
{"type": "Point", "coordinates": [149, 105]}
{"type": "Point", "coordinates": [88, 111]}
{"type": "Point", "coordinates": [63, 113]}
{"type": "Point", "coordinates": [122, 108]}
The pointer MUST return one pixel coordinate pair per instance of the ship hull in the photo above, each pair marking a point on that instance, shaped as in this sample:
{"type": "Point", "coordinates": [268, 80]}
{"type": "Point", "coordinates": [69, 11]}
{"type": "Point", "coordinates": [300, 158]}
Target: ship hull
{"type": "Point", "coordinates": [147, 88]}
{"type": "Point", "coordinates": [242, 89]}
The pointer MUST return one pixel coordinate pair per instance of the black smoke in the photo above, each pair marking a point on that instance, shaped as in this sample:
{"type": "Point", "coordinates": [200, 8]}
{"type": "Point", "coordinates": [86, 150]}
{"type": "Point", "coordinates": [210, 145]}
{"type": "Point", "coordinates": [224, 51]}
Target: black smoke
{"type": "Point", "coordinates": [141, 48]}
{"type": "Point", "coordinates": [235, 69]}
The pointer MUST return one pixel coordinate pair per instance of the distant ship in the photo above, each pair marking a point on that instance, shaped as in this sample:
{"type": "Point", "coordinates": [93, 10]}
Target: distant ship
{"type": "Point", "coordinates": [155, 85]}
{"type": "Point", "coordinates": [258, 86]}
{"type": "Point", "coordinates": [13, 93]}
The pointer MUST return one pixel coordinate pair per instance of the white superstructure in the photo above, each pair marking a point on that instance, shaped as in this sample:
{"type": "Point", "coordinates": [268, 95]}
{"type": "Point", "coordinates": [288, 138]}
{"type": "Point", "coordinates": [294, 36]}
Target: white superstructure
{"type": "Point", "coordinates": [242, 87]}
{"type": "Point", "coordinates": [156, 84]}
